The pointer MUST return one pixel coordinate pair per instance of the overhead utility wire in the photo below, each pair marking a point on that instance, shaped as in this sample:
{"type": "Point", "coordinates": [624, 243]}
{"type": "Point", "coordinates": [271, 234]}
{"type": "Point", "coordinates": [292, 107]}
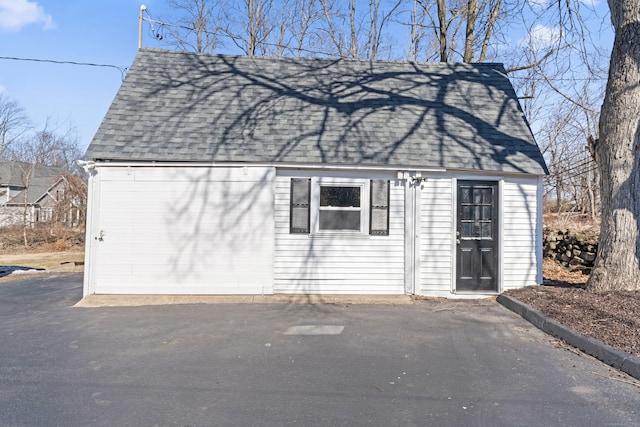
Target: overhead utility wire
{"type": "Point", "coordinates": [123, 70]}
{"type": "Point", "coordinates": [572, 167]}
{"type": "Point", "coordinates": [161, 24]}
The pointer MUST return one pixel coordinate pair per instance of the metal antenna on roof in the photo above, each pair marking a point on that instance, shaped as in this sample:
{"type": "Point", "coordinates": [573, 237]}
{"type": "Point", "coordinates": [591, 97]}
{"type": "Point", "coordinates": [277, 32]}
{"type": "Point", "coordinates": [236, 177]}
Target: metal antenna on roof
{"type": "Point", "coordinates": [142, 9]}
{"type": "Point", "coordinates": [156, 34]}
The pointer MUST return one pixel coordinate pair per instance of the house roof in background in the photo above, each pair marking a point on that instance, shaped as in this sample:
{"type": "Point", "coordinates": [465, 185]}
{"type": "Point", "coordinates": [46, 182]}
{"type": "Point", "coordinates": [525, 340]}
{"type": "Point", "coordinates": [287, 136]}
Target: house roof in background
{"type": "Point", "coordinates": [35, 193]}
{"type": "Point", "coordinates": [176, 106]}
{"type": "Point", "coordinates": [15, 173]}
{"type": "Point", "coordinates": [40, 179]}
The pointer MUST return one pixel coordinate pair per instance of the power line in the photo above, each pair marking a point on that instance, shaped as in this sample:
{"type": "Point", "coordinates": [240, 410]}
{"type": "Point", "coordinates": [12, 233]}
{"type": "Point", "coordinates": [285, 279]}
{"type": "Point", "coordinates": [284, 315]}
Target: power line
{"type": "Point", "coordinates": [571, 168]}
{"type": "Point", "coordinates": [123, 70]}
{"type": "Point", "coordinates": [158, 36]}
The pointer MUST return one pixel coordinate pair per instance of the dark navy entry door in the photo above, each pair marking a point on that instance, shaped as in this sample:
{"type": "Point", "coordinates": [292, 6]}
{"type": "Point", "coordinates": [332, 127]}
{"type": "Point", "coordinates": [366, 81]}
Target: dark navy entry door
{"type": "Point", "coordinates": [477, 236]}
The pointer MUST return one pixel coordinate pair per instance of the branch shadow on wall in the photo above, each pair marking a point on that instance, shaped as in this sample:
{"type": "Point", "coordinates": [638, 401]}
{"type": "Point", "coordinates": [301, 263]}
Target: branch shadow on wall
{"type": "Point", "coordinates": [311, 112]}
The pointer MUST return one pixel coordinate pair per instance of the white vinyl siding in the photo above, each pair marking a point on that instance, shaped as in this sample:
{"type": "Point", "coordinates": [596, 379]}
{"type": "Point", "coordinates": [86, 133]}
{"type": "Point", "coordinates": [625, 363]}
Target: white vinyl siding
{"type": "Point", "coordinates": [520, 234]}
{"type": "Point", "coordinates": [436, 236]}
{"type": "Point", "coordinates": [173, 230]}
{"type": "Point", "coordinates": [340, 262]}
{"type": "Point", "coordinates": [226, 230]}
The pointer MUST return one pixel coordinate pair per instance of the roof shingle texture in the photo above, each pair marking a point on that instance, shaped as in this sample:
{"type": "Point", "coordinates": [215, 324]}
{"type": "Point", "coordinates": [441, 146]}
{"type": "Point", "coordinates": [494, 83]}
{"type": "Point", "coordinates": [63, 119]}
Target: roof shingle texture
{"type": "Point", "coordinates": [176, 106]}
{"type": "Point", "coordinates": [39, 179]}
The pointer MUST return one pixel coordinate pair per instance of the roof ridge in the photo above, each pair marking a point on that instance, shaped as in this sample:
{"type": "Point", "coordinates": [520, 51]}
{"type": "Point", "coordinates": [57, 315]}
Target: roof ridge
{"type": "Point", "coordinates": [156, 50]}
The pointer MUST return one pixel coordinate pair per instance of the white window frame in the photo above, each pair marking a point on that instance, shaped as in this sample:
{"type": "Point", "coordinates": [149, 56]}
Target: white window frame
{"type": "Point", "coordinates": [362, 184]}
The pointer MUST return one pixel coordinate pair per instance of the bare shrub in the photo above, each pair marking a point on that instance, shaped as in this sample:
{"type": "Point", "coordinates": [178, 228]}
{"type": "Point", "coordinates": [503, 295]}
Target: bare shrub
{"type": "Point", "coordinates": [42, 237]}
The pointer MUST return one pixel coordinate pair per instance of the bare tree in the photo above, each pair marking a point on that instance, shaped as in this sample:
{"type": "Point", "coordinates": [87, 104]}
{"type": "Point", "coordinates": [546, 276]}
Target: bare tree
{"type": "Point", "coordinates": [283, 24]}
{"type": "Point", "coordinates": [47, 147]}
{"type": "Point", "coordinates": [446, 19]}
{"type": "Point", "coordinates": [307, 14]}
{"type": "Point", "coordinates": [249, 24]}
{"type": "Point", "coordinates": [198, 25]}
{"type": "Point", "coordinates": [470, 35]}
{"type": "Point", "coordinates": [13, 124]}
{"type": "Point", "coordinates": [617, 153]}
{"type": "Point", "coordinates": [50, 147]}
{"type": "Point", "coordinates": [71, 203]}
{"type": "Point", "coordinates": [352, 33]}
{"type": "Point", "coordinates": [332, 31]}
{"type": "Point", "coordinates": [303, 22]}
{"type": "Point", "coordinates": [494, 11]}
{"type": "Point", "coordinates": [443, 28]}
{"type": "Point", "coordinates": [378, 21]}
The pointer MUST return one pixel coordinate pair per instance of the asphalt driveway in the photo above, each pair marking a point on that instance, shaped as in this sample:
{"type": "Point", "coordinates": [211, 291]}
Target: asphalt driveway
{"type": "Point", "coordinates": [432, 363]}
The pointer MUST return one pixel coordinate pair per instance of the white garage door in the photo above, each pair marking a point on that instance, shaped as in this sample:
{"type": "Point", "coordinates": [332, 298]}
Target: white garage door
{"type": "Point", "coordinates": [171, 230]}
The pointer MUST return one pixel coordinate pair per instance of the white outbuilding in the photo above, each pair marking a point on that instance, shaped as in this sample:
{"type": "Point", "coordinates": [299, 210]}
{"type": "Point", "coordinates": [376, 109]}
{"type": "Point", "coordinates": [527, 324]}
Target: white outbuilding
{"type": "Point", "coordinates": [215, 174]}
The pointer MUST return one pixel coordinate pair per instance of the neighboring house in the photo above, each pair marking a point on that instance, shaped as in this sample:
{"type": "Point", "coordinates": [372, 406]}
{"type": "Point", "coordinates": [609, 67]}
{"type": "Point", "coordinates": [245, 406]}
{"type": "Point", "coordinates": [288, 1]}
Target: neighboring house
{"type": "Point", "coordinates": [28, 192]}
{"type": "Point", "coordinates": [240, 175]}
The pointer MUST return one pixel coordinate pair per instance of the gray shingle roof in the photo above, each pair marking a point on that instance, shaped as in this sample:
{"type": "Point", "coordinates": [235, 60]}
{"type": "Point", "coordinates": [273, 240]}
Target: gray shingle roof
{"type": "Point", "coordinates": [176, 106]}
{"type": "Point", "coordinates": [40, 178]}
{"type": "Point", "coordinates": [35, 193]}
{"type": "Point", "coordinates": [15, 174]}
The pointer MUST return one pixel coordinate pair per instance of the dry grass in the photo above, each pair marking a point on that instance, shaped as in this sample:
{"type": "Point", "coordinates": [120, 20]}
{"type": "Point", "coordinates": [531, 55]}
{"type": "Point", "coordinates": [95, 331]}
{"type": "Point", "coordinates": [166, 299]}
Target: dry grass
{"type": "Point", "coordinates": [555, 273]}
{"type": "Point", "coordinates": [46, 260]}
{"type": "Point", "coordinates": [50, 247]}
{"type": "Point", "coordinates": [41, 238]}
{"type": "Point", "coordinates": [583, 224]}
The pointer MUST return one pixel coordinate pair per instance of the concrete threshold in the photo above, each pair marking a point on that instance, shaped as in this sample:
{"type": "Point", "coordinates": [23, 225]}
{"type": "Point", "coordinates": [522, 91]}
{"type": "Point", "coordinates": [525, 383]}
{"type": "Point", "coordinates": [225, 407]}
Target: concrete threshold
{"type": "Point", "coordinates": [141, 300]}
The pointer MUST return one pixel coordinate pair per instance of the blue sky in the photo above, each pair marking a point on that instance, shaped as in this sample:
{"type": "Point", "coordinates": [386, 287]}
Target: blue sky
{"type": "Point", "coordinates": [98, 31]}
{"type": "Point", "coordinates": [103, 32]}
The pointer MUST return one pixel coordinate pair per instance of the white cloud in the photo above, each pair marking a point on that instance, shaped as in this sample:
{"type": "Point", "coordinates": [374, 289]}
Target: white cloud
{"type": "Point", "coordinates": [541, 37]}
{"type": "Point", "coordinates": [2, 89]}
{"type": "Point", "coordinates": [15, 14]}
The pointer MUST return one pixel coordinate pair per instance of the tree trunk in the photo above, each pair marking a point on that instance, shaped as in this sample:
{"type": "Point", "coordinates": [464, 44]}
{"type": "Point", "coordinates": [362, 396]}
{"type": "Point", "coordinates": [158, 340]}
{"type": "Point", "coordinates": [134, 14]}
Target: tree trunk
{"type": "Point", "coordinates": [493, 17]}
{"type": "Point", "coordinates": [442, 34]}
{"type": "Point", "coordinates": [252, 27]}
{"type": "Point", "coordinates": [470, 35]}
{"type": "Point", "coordinates": [352, 25]}
{"type": "Point", "coordinates": [618, 158]}
{"type": "Point", "coordinates": [591, 195]}
{"type": "Point", "coordinates": [372, 51]}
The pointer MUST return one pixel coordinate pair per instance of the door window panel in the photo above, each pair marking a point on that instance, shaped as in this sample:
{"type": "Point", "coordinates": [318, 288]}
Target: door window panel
{"type": "Point", "coordinates": [476, 221]}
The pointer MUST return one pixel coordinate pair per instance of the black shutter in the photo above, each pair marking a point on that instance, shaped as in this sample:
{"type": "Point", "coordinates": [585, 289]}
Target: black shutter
{"type": "Point", "coordinates": [300, 204]}
{"type": "Point", "coordinates": [379, 209]}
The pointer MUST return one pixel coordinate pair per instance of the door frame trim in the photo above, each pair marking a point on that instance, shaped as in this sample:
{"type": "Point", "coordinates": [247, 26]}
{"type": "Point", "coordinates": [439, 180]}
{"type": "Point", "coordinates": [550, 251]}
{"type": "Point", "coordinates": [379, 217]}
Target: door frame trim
{"type": "Point", "coordinates": [91, 222]}
{"type": "Point", "coordinates": [412, 215]}
{"type": "Point", "coordinates": [454, 227]}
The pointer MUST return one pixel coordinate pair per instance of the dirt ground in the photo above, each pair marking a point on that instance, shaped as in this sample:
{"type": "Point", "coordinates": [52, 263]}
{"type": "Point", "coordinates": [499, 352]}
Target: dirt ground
{"type": "Point", "coordinates": [612, 317]}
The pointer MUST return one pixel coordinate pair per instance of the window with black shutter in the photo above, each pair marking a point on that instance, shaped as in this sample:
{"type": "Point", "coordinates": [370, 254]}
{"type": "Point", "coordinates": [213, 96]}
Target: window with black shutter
{"type": "Point", "coordinates": [379, 208]}
{"type": "Point", "coordinates": [339, 206]}
{"type": "Point", "coordinates": [300, 205]}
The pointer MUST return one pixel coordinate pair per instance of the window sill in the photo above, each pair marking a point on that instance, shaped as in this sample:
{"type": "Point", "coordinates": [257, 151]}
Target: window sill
{"type": "Point", "coordinates": [339, 234]}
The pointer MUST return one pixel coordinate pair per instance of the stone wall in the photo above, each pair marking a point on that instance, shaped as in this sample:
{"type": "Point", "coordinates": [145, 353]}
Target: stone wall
{"type": "Point", "coordinates": [571, 249]}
